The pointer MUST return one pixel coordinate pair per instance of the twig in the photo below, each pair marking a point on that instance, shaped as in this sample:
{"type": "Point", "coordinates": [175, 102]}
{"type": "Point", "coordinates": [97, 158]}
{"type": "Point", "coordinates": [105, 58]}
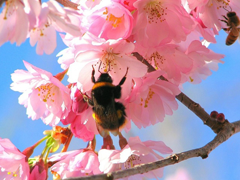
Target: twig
{"type": "Point", "coordinates": [228, 129]}
{"type": "Point", "coordinates": [1, 2]}
{"type": "Point", "coordinates": [68, 3]}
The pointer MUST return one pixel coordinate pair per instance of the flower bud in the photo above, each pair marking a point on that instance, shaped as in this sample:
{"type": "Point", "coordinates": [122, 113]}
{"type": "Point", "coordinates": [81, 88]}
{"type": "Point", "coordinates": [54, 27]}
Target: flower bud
{"type": "Point", "coordinates": [221, 117]}
{"type": "Point", "coordinates": [78, 103]}
{"type": "Point", "coordinates": [214, 114]}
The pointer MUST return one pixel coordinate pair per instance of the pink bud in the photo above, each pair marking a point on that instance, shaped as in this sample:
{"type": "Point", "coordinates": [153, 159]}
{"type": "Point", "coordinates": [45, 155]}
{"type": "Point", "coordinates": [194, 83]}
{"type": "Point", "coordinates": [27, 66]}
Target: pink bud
{"type": "Point", "coordinates": [214, 114]}
{"type": "Point", "coordinates": [78, 105]}
{"type": "Point", "coordinates": [221, 117]}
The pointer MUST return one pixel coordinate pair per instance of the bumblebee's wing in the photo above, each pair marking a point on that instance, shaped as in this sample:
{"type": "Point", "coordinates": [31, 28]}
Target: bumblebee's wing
{"type": "Point", "coordinates": [235, 31]}
{"type": "Point", "coordinates": [239, 34]}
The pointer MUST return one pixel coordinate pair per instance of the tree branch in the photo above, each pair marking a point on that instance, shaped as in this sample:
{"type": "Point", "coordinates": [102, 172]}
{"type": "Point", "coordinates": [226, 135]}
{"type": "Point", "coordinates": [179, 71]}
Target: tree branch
{"type": "Point", "coordinates": [228, 129]}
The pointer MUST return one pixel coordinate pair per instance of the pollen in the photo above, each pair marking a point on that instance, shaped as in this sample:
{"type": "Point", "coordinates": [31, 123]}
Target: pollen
{"type": "Point", "coordinates": [10, 8]}
{"type": "Point", "coordinates": [13, 174]}
{"type": "Point", "coordinates": [156, 11]}
{"type": "Point", "coordinates": [191, 79]}
{"type": "Point", "coordinates": [105, 12]}
{"type": "Point", "coordinates": [108, 60]}
{"type": "Point", "coordinates": [41, 33]}
{"type": "Point", "coordinates": [157, 60]}
{"type": "Point", "coordinates": [46, 92]}
{"type": "Point", "coordinates": [132, 161]}
{"type": "Point", "coordinates": [114, 20]}
{"type": "Point", "coordinates": [219, 3]}
{"type": "Point", "coordinates": [149, 97]}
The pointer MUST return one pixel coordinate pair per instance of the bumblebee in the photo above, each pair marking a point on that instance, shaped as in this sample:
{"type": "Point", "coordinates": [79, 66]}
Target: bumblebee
{"type": "Point", "coordinates": [108, 114]}
{"type": "Point", "coordinates": [232, 20]}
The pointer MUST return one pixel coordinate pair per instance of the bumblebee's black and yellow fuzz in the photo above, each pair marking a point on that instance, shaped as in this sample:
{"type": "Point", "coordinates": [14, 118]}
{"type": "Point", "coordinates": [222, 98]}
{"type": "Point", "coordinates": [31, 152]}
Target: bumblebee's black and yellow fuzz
{"type": "Point", "coordinates": [108, 114]}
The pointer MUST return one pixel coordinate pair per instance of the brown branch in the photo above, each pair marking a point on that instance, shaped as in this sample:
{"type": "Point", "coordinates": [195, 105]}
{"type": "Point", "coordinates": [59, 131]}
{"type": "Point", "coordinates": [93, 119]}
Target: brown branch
{"type": "Point", "coordinates": [68, 3]}
{"type": "Point", "coordinates": [228, 129]}
{"type": "Point", "coordinates": [190, 104]}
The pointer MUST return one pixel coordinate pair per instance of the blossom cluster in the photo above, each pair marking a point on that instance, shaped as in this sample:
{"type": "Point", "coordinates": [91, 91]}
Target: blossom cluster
{"type": "Point", "coordinates": [109, 36]}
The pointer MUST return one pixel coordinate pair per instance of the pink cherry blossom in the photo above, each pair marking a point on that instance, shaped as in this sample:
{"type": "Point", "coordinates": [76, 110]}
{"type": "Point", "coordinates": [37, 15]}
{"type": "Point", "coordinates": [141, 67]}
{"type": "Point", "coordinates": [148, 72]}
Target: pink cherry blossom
{"type": "Point", "coordinates": [211, 11]}
{"type": "Point", "coordinates": [204, 60]}
{"type": "Point", "coordinates": [133, 154]}
{"type": "Point", "coordinates": [112, 56]}
{"type": "Point", "coordinates": [76, 163]}
{"type": "Point", "coordinates": [151, 99]}
{"type": "Point", "coordinates": [51, 17]}
{"type": "Point", "coordinates": [109, 20]}
{"type": "Point", "coordinates": [78, 104]}
{"type": "Point", "coordinates": [168, 58]}
{"type": "Point", "coordinates": [78, 128]}
{"type": "Point", "coordinates": [13, 22]}
{"type": "Point", "coordinates": [86, 4]}
{"type": "Point", "coordinates": [207, 33]}
{"type": "Point", "coordinates": [13, 164]}
{"type": "Point", "coordinates": [66, 56]}
{"type": "Point", "coordinates": [160, 21]}
{"type": "Point", "coordinates": [127, 4]}
{"type": "Point", "coordinates": [43, 95]}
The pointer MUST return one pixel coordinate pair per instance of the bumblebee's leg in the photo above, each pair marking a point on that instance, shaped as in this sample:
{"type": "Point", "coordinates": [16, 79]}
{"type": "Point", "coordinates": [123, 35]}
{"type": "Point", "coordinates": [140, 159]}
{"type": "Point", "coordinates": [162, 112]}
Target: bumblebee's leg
{"type": "Point", "coordinates": [224, 20]}
{"type": "Point", "coordinates": [117, 90]}
{"type": "Point", "coordinates": [88, 100]}
{"type": "Point", "coordinates": [107, 142]}
{"type": "Point", "coordinates": [122, 141]}
{"type": "Point", "coordinates": [123, 79]}
{"type": "Point", "coordinates": [93, 72]}
{"type": "Point", "coordinates": [226, 29]}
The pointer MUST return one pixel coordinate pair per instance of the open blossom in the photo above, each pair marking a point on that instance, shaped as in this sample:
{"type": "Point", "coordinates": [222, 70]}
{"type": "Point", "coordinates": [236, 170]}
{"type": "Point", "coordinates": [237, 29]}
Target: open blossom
{"type": "Point", "coordinates": [80, 117]}
{"type": "Point", "coordinates": [43, 95]}
{"type": "Point", "coordinates": [79, 128]}
{"type": "Point", "coordinates": [211, 11]}
{"type": "Point", "coordinates": [160, 22]}
{"type": "Point", "coordinates": [168, 58]}
{"type": "Point", "coordinates": [151, 99]}
{"type": "Point", "coordinates": [201, 30]}
{"type": "Point", "coordinates": [14, 22]}
{"type": "Point", "coordinates": [109, 20]}
{"type": "Point", "coordinates": [204, 60]}
{"type": "Point", "coordinates": [78, 163]}
{"type": "Point", "coordinates": [13, 164]}
{"type": "Point", "coordinates": [112, 56]}
{"type": "Point", "coordinates": [51, 17]}
{"type": "Point", "coordinates": [133, 154]}
{"type": "Point", "coordinates": [66, 56]}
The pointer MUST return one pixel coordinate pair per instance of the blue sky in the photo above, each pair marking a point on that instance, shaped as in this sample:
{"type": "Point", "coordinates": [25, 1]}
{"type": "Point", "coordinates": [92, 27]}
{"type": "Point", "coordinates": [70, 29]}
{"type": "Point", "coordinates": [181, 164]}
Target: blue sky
{"type": "Point", "coordinates": [183, 131]}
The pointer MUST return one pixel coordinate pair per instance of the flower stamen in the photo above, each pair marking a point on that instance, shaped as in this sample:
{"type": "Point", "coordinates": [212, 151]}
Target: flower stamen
{"type": "Point", "coordinates": [132, 161]}
{"type": "Point", "coordinates": [45, 92]}
{"type": "Point", "coordinates": [155, 11]}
